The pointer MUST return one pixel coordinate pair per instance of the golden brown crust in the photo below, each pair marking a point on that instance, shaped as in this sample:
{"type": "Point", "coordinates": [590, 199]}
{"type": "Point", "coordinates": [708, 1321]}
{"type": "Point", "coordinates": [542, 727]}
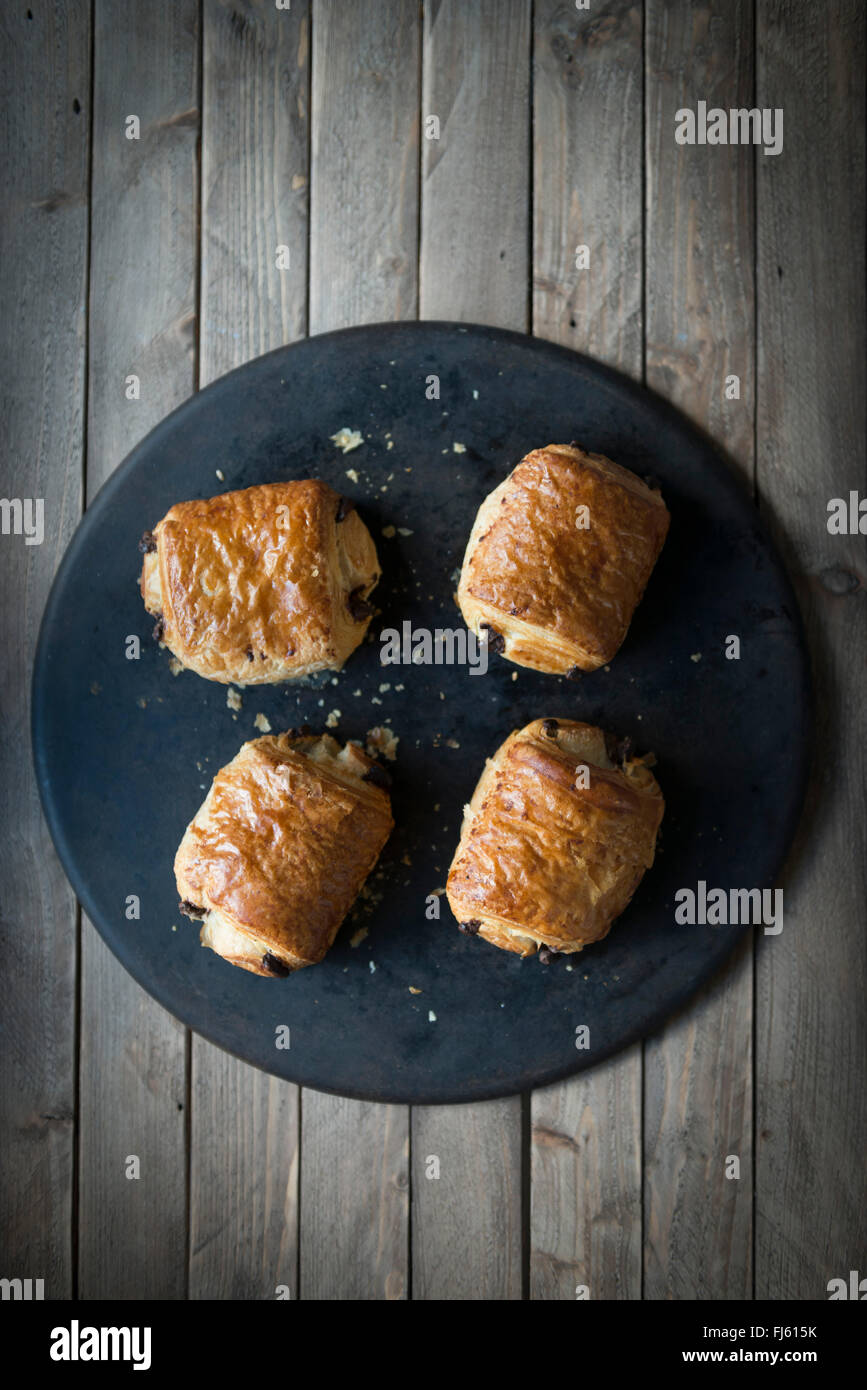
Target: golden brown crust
{"type": "Point", "coordinates": [558, 595]}
{"type": "Point", "coordinates": [544, 860]}
{"type": "Point", "coordinates": [277, 853]}
{"type": "Point", "coordinates": [261, 585]}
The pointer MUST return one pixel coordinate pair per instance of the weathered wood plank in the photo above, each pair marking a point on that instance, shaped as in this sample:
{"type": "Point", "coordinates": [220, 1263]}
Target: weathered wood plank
{"type": "Point", "coordinates": [467, 1225]}
{"type": "Point", "coordinates": [255, 180]}
{"type": "Point", "coordinates": [244, 1136]}
{"type": "Point", "coordinates": [132, 1234]}
{"type": "Point", "coordinates": [475, 191]}
{"type": "Point", "coordinates": [243, 1180]}
{"type": "Point", "coordinates": [43, 270]}
{"type": "Point", "coordinates": [363, 242]}
{"type": "Point", "coordinates": [364, 163]}
{"type": "Point", "coordinates": [587, 176]}
{"type": "Point", "coordinates": [700, 328]}
{"type": "Point", "coordinates": [811, 1112]}
{"type": "Point", "coordinates": [587, 167]}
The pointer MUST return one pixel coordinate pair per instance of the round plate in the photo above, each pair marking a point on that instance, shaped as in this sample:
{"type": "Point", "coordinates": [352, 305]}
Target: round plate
{"type": "Point", "coordinates": [414, 1011]}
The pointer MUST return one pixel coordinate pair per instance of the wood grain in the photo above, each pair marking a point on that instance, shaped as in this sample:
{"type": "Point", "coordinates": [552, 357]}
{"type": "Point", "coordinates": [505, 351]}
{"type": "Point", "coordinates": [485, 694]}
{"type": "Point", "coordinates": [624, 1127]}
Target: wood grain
{"type": "Point", "coordinates": [363, 241]}
{"type": "Point", "coordinates": [467, 1225]}
{"type": "Point", "coordinates": [255, 180]}
{"type": "Point", "coordinates": [811, 1113]}
{"type": "Point", "coordinates": [475, 177]}
{"type": "Point", "coordinates": [364, 163]}
{"type": "Point", "coordinates": [132, 1233]}
{"type": "Point", "coordinates": [244, 1152]}
{"type": "Point", "coordinates": [43, 271]}
{"type": "Point", "coordinates": [700, 328]}
{"type": "Point", "coordinates": [587, 168]}
{"type": "Point", "coordinates": [587, 174]}
{"type": "Point", "coordinates": [243, 1180]}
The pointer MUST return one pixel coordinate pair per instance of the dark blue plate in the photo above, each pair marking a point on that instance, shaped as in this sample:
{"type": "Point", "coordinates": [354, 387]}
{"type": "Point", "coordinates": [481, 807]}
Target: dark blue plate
{"type": "Point", "coordinates": [124, 750]}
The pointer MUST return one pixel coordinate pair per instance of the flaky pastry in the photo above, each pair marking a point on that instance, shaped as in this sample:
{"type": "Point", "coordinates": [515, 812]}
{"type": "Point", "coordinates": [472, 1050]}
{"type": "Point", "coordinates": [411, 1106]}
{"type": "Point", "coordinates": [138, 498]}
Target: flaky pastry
{"type": "Point", "coordinates": [558, 559]}
{"type": "Point", "coordinates": [266, 584]}
{"type": "Point", "coordinates": [559, 833]}
{"type": "Point", "coordinates": [276, 855]}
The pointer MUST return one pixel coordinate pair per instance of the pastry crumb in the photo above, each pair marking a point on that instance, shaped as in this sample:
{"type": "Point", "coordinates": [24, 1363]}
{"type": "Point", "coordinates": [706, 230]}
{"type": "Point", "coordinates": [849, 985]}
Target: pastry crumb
{"type": "Point", "coordinates": [357, 937]}
{"type": "Point", "coordinates": [352, 474]}
{"type": "Point", "coordinates": [413, 990]}
{"type": "Point", "coordinates": [220, 474]}
{"type": "Point", "coordinates": [475, 394]}
{"type": "Point", "coordinates": [333, 719]}
{"type": "Point", "coordinates": [262, 723]}
{"type": "Point", "coordinates": [452, 743]}
{"type": "Point", "coordinates": [347, 439]}
{"type": "Point", "coordinates": [431, 1016]}
{"type": "Point", "coordinates": [382, 740]}
{"type": "Point", "coordinates": [233, 698]}
{"type": "Point", "coordinates": [388, 532]}
{"type": "Point", "coordinates": [372, 967]}
{"type": "Point", "coordinates": [386, 685]}
{"type": "Point", "coordinates": [458, 448]}
{"type": "Point", "coordinates": [403, 531]}
{"type": "Point", "coordinates": [175, 666]}
{"type": "Point", "coordinates": [696, 656]}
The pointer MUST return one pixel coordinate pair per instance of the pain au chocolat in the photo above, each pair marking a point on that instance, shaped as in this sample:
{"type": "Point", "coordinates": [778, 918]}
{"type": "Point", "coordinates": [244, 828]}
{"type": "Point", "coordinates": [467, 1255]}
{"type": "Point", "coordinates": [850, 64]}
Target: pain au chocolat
{"type": "Point", "coordinates": [266, 584]}
{"type": "Point", "coordinates": [277, 853]}
{"type": "Point", "coordinates": [560, 832]}
{"type": "Point", "coordinates": [558, 559]}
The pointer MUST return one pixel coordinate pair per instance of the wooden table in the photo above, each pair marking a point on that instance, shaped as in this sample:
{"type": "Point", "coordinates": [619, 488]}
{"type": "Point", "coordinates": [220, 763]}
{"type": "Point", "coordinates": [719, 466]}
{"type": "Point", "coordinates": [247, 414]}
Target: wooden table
{"type": "Point", "coordinates": [308, 128]}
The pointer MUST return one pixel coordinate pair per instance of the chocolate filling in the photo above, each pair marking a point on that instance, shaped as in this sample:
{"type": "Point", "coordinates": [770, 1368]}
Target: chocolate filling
{"type": "Point", "coordinates": [547, 954]}
{"type": "Point", "coordinates": [471, 927]}
{"type": "Point", "coordinates": [148, 543]}
{"type": "Point", "coordinates": [496, 640]}
{"type": "Point", "coordinates": [344, 507]}
{"type": "Point", "coordinates": [192, 911]}
{"type": "Point", "coordinates": [358, 607]}
{"type": "Point", "coordinates": [275, 967]}
{"type": "Point", "coordinates": [574, 673]}
{"type": "Point", "coordinates": [550, 727]}
{"type": "Point", "coordinates": [618, 748]}
{"type": "Point", "coordinates": [159, 629]}
{"type": "Point", "coordinates": [378, 776]}
{"type": "Point", "coordinates": [303, 731]}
